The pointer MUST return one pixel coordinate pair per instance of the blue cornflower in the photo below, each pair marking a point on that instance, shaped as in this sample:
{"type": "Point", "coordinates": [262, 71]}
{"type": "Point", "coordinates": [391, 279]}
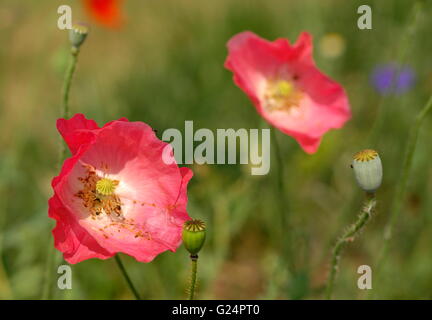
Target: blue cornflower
{"type": "Point", "coordinates": [392, 79]}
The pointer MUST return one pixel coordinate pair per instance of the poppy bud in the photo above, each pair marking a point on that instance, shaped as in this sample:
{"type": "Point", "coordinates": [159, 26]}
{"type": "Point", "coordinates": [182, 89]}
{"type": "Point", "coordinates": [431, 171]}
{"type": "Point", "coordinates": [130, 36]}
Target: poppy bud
{"type": "Point", "coordinates": [77, 35]}
{"type": "Point", "coordinates": [368, 170]}
{"type": "Point", "coordinates": [193, 235]}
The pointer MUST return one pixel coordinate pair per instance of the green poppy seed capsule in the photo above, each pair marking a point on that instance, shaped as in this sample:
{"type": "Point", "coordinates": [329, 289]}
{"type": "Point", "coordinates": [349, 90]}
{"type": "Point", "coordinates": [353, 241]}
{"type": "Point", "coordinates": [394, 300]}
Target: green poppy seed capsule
{"type": "Point", "coordinates": [193, 235]}
{"type": "Point", "coordinates": [77, 35]}
{"type": "Point", "coordinates": [368, 170]}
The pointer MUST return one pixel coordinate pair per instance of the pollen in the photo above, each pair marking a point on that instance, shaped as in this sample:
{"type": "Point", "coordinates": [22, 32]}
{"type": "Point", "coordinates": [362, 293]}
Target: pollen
{"type": "Point", "coordinates": [282, 95]}
{"type": "Point", "coordinates": [106, 187]}
{"type": "Point", "coordinates": [98, 196]}
{"type": "Point", "coordinates": [365, 155]}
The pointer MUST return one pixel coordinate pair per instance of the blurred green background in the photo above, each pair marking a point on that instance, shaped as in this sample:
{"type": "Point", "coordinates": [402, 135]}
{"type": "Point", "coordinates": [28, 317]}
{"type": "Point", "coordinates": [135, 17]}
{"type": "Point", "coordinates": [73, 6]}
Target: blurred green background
{"type": "Point", "coordinates": [165, 66]}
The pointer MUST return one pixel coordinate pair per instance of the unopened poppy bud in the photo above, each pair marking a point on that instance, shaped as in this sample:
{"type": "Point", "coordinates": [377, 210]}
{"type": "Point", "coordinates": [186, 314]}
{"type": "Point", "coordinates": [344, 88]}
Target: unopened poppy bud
{"type": "Point", "coordinates": [194, 234]}
{"type": "Point", "coordinates": [77, 35]}
{"type": "Point", "coordinates": [368, 170]}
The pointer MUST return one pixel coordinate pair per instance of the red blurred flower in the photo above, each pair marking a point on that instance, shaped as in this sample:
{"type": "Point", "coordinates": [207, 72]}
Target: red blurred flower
{"type": "Point", "coordinates": [106, 12]}
{"type": "Point", "coordinates": [116, 194]}
{"type": "Point", "coordinates": [286, 87]}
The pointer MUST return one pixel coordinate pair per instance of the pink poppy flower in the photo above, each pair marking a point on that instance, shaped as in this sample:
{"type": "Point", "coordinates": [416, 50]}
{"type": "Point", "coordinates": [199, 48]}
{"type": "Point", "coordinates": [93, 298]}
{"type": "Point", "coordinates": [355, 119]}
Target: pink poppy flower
{"type": "Point", "coordinates": [286, 87]}
{"type": "Point", "coordinates": [116, 194]}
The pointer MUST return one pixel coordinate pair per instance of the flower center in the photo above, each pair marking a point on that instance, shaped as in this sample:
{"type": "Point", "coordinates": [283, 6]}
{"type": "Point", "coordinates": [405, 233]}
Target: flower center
{"type": "Point", "coordinates": [98, 195]}
{"type": "Point", "coordinates": [283, 89]}
{"type": "Point", "coordinates": [282, 95]}
{"type": "Point", "coordinates": [106, 186]}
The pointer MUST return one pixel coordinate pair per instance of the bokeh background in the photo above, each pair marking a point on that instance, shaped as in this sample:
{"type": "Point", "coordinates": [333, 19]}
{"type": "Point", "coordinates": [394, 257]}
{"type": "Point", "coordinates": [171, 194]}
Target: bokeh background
{"type": "Point", "coordinates": [165, 66]}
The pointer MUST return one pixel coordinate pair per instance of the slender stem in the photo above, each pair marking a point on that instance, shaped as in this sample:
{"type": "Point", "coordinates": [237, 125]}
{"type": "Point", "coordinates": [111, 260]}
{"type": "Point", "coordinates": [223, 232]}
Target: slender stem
{"type": "Point", "coordinates": [126, 276]}
{"type": "Point", "coordinates": [65, 101]}
{"type": "Point", "coordinates": [284, 225]}
{"type": "Point", "coordinates": [64, 113]}
{"type": "Point", "coordinates": [349, 236]}
{"type": "Point", "coordinates": [68, 81]}
{"type": "Point", "coordinates": [194, 260]}
{"type": "Point", "coordinates": [280, 174]}
{"type": "Point", "coordinates": [399, 196]}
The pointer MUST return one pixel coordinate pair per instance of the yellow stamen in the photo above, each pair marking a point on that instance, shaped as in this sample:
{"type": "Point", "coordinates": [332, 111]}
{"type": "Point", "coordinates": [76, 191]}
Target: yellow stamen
{"type": "Point", "coordinates": [282, 95]}
{"type": "Point", "coordinates": [283, 89]}
{"type": "Point", "coordinates": [106, 186]}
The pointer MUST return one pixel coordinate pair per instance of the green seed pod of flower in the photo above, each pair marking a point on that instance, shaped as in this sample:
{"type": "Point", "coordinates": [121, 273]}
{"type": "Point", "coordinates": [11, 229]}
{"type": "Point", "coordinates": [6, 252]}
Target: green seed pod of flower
{"type": "Point", "coordinates": [368, 170]}
{"type": "Point", "coordinates": [77, 35]}
{"type": "Point", "coordinates": [193, 235]}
